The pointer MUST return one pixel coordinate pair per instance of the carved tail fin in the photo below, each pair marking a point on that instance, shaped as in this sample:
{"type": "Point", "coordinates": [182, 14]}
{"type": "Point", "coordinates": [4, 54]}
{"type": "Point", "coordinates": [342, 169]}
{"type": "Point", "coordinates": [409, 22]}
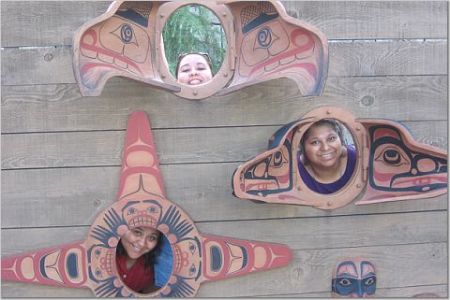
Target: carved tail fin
{"type": "Point", "coordinates": [140, 163]}
{"type": "Point", "coordinates": [225, 257]}
{"type": "Point", "coordinates": [62, 265]}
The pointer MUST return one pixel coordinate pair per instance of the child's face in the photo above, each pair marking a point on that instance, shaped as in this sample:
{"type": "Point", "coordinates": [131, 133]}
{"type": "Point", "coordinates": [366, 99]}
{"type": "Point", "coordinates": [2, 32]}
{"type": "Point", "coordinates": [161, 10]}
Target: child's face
{"type": "Point", "coordinates": [140, 240]}
{"type": "Point", "coordinates": [194, 70]}
{"type": "Point", "coordinates": [323, 147]}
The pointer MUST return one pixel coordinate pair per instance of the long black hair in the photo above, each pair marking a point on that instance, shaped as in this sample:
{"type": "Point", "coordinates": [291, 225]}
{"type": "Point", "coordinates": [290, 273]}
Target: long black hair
{"type": "Point", "coordinates": [149, 257]}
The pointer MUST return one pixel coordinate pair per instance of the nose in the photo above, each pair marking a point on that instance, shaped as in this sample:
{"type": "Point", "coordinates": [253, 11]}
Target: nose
{"type": "Point", "coordinates": [324, 146]}
{"type": "Point", "coordinates": [141, 242]}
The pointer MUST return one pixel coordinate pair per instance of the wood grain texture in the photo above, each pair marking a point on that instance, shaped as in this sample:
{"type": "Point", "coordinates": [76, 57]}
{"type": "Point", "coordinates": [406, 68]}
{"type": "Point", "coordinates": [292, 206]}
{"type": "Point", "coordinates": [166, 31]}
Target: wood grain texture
{"type": "Point", "coordinates": [175, 146]}
{"type": "Point", "coordinates": [28, 26]}
{"type": "Point", "coordinates": [311, 271]}
{"type": "Point", "coordinates": [329, 232]}
{"type": "Point", "coordinates": [46, 23]}
{"type": "Point", "coordinates": [76, 195]}
{"type": "Point", "coordinates": [61, 152]}
{"type": "Point", "coordinates": [404, 292]}
{"type": "Point", "coordinates": [42, 108]}
{"type": "Point", "coordinates": [52, 65]}
{"type": "Point", "coordinates": [418, 240]}
{"type": "Point", "coordinates": [373, 19]}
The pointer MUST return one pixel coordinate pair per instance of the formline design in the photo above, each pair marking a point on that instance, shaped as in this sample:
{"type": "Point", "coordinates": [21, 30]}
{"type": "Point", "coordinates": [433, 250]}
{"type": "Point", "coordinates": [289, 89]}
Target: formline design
{"type": "Point", "coordinates": [390, 165]}
{"type": "Point", "coordinates": [141, 201]}
{"type": "Point", "coordinates": [264, 43]}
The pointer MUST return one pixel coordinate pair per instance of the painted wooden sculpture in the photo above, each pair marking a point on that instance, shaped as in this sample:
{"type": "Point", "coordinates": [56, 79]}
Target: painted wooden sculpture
{"type": "Point", "coordinates": [264, 43]}
{"type": "Point", "coordinates": [354, 278]}
{"type": "Point", "coordinates": [389, 165]}
{"type": "Point", "coordinates": [141, 201]}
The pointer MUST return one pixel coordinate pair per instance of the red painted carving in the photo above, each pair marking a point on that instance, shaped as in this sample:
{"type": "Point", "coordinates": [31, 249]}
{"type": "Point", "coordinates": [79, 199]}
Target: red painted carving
{"type": "Point", "coordinates": [141, 201]}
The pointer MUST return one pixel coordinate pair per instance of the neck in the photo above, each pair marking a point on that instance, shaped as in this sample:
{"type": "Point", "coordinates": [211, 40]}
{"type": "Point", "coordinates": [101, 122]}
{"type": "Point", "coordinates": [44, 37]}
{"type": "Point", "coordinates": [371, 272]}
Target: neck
{"type": "Point", "coordinates": [328, 174]}
{"type": "Point", "coordinates": [130, 262]}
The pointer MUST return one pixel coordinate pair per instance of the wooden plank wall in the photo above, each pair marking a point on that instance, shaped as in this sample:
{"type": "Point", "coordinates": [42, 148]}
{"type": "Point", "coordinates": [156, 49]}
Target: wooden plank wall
{"type": "Point", "coordinates": [61, 152]}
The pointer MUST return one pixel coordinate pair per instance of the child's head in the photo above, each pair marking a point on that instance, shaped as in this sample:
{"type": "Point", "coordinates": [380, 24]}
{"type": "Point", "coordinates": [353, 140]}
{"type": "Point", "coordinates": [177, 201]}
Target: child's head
{"type": "Point", "coordinates": [194, 68]}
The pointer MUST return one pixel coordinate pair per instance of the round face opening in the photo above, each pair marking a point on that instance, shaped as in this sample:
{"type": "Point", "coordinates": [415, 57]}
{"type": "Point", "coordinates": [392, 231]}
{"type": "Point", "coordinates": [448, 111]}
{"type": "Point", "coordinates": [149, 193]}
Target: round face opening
{"type": "Point", "coordinates": [194, 44]}
{"type": "Point", "coordinates": [144, 259]}
{"type": "Point", "coordinates": [327, 156]}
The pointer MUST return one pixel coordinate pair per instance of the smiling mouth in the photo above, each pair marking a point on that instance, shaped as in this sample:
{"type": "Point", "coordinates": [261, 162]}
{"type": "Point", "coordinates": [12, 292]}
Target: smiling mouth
{"type": "Point", "coordinates": [195, 81]}
{"type": "Point", "coordinates": [136, 250]}
{"type": "Point", "coordinates": [327, 156]}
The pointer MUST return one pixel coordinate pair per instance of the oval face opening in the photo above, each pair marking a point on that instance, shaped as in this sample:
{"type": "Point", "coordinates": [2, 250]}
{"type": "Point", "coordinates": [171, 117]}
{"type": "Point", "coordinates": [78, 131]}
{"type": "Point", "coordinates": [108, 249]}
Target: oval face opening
{"type": "Point", "coordinates": [327, 156]}
{"type": "Point", "coordinates": [144, 259]}
{"type": "Point", "coordinates": [194, 44]}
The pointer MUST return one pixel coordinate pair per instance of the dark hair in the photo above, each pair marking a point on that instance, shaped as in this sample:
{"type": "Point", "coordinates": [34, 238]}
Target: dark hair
{"type": "Point", "coordinates": [149, 257]}
{"type": "Point", "coordinates": [183, 55]}
{"type": "Point", "coordinates": [333, 124]}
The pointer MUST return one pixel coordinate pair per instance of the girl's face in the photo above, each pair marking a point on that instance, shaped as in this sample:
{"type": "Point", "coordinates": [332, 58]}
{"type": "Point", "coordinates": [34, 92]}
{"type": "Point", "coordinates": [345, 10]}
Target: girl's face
{"type": "Point", "coordinates": [140, 240]}
{"type": "Point", "coordinates": [194, 70]}
{"type": "Point", "coordinates": [323, 147]}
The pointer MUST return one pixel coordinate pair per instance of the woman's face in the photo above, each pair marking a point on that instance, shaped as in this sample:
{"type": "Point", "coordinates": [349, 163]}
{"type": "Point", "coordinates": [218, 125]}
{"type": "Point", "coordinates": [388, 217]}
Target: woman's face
{"type": "Point", "coordinates": [140, 240]}
{"type": "Point", "coordinates": [323, 147]}
{"type": "Point", "coordinates": [194, 70]}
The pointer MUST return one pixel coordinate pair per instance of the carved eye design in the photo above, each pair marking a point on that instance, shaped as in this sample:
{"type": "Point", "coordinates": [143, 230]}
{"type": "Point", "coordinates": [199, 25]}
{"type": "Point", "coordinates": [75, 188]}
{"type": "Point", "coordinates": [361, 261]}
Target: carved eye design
{"type": "Point", "coordinates": [392, 156]}
{"type": "Point", "coordinates": [131, 211]}
{"type": "Point", "coordinates": [152, 209]}
{"type": "Point", "coordinates": [265, 37]}
{"type": "Point", "coordinates": [345, 282]}
{"type": "Point", "coordinates": [98, 273]}
{"type": "Point", "coordinates": [248, 174]}
{"type": "Point", "coordinates": [192, 248]}
{"type": "Point", "coordinates": [192, 270]}
{"type": "Point", "coordinates": [369, 281]}
{"type": "Point", "coordinates": [97, 252]}
{"type": "Point", "coordinates": [126, 33]}
{"type": "Point", "coordinates": [277, 159]}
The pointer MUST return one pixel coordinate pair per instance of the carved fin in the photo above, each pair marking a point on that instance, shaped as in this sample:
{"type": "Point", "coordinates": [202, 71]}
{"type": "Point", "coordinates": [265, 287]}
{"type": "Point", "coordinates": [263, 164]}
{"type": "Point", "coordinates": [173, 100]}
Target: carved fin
{"type": "Point", "coordinates": [226, 257]}
{"type": "Point", "coordinates": [63, 265]}
{"type": "Point", "coordinates": [140, 164]}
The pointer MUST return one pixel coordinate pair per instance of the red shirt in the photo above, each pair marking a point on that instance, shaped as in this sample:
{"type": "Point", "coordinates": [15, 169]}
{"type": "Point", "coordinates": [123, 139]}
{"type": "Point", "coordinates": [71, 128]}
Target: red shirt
{"type": "Point", "coordinates": [138, 277]}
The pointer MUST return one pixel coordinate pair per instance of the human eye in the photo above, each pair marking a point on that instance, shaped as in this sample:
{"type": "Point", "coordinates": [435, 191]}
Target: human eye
{"type": "Point", "coordinates": [332, 138]}
{"type": "Point", "coordinates": [152, 238]}
{"type": "Point", "coordinates": [185, 69]}
{"type": "Point", "coordinates": [136, 232]}
{"type": "Point", "coordinates": [314, 142]}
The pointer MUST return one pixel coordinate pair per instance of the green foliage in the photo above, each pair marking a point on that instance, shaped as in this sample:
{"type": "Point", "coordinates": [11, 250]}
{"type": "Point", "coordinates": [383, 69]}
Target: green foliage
{"type": "Point", "coordinates": [194, 28]}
